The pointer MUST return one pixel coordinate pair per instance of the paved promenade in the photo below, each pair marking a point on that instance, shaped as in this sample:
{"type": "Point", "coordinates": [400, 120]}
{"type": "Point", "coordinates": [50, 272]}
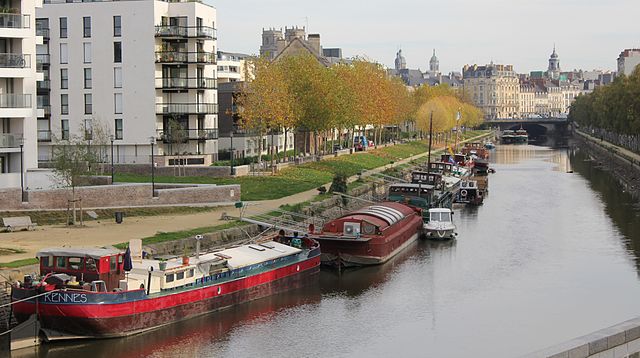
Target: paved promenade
{"type": "Point", "coordinates": [107, 232]}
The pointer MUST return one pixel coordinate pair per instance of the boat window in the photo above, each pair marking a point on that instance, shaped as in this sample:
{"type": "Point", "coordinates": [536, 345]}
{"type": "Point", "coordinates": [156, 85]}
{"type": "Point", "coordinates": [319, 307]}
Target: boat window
{"type": "Point", "coordinates": [91, 264]}
{"type": "Point", "coordinates": [168, 277]}
{"type": "Point", "coordinates": [120, 259]}
{"type": "Point", "coordinates": [112, 263]}
{"type": "Point", "coordinates": [445, 217]}
{"type": "Point", "coordinates": [75, 263]}
{"type": "Point", "coordinates": [180, 275]}
{"type": "Point", "coordinates": [46, 261]}
{"type": "Point", "coordinates": [190, 273]}
{"type": "Point", "coordinates": [434, 216]}
{"type": "Point", "coordinates": [61, 262]}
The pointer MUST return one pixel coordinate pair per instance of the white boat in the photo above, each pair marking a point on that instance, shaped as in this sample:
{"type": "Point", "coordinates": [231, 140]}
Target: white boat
{"type": "Point", "coordinates": [440, 225]}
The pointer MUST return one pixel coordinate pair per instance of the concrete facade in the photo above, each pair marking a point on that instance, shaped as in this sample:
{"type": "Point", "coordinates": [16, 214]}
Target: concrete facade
{"type": "Point", "coordinates": [232, 67]}
{"type": "Point", "coordinates": [18, 110]}
{"type": "Point", "coordinates": [494, 88]}
{"type": "Point", "coordinates": [135, 69]}
{"type": "Point", "coordinates": [628, 60]}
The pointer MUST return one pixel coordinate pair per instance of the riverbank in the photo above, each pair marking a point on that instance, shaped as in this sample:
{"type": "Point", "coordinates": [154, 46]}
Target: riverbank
{"type": "Point", "coordinates": [622, 163]}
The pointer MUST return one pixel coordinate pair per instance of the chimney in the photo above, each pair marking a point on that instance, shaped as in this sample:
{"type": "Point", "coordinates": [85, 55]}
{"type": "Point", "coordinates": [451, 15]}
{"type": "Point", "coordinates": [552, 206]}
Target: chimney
{"type": "Point", "coordinates": [314, 41]}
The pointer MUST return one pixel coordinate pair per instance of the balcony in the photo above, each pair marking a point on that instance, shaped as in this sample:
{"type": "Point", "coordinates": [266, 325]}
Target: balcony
{"type": "Point", "coordinates": [42, 31]}
{"type": "Point", "coordinates": [9, 140]}
{"type": "Point", "coordinates": [14, 21]}
{"type": "Point", "coordinates": [187, 134]}
{"type": "Point", "coordinates": [186, 108]}
{"type": "Point", "coordinates": [182, 83]}
{"type": "Point", "coordinates": [15, 60]}
{"type": "Point", "coordinates": [15, 100]}
{"type": "Point", "coordinates": [177, 31]}
{"type": "Point", "coordinates": [185, 57]}
{"type": "Point", "coordinates": [42, 60]}
{"type": "Point", "coordinates": [44, 85]}
{"type": "Point", "coordinates": [44, 135]}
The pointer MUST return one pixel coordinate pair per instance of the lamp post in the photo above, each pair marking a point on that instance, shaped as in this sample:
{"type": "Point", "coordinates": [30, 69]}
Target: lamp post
{"type": "Point", "coordinates": [231, 149]}
{"type": "Point", "coordinates": [152, 141]}
{"type": "Point", "coordinates": [22, 170]}
{"type": "Point", "coordinates": [112, 138]}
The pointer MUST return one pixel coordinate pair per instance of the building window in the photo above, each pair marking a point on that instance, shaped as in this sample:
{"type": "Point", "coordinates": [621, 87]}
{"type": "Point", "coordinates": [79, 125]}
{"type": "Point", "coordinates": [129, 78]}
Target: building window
{"type": "Point", "coordinates": [117, 52]}
{"type": "Point", "coordinates": [117, 26]}
{"type": "Point", "coordinates": [64, 78]}
{"type": "Point", "coordinates": [64, 103]}
{"type": "Point", "coordinates": [86, 26]}
{"type": "Point", "coordinates": [87, 78]}
{"type": "Point", "coordinates": [64, 125]}
{"type": "Point", "coordinates": [64, 53]}
{"type": "Point", "coordinates": [88, 130]}
{"type": "Point", "coordinates": [117, 77]}
{"type": "Point", "coordinates": [63, 27]}
{"type": "Point", "coordinates": [118, 128]}
{"type": "Point", "coordinates": [87, 52]}
{"type": "Point", "coordinates": [88, 107]}
{"type": "Point", "coordinates": [117, 101]}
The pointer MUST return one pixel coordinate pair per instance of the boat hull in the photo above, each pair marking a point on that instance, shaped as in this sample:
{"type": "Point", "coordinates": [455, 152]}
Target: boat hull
{"type": "Point", "coordinates": [363, 256]}
{"type": "Point", "coordinates": [104, 320]}
{"type": "Point", "coordinates": [439, 233]}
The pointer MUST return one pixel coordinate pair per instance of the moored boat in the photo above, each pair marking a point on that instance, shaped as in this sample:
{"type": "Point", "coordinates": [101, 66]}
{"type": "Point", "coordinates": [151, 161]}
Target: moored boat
{"type": "Point", "coordinates": [508, 137]}
{"type": "Point", "coordinates": [87, 293]}
{"type": "Point", "coordinates": [469, 193]}
{"type": "Point", "coordinates": [521, 136]}
{"type": "Point", "coordinates": [369, 236]}
{"type": "Point", "coordinates": [440, 225]}
{"type": "Point", "coordinates": [489, 145]}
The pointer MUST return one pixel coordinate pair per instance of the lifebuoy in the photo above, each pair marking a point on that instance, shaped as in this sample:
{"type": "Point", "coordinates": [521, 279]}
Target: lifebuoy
{"type": "Point", "coordinates": [463, 192]}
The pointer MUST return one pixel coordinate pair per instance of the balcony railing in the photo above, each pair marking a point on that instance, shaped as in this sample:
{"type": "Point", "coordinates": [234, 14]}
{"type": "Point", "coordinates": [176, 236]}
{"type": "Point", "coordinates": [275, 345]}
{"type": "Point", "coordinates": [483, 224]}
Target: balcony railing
{"type": "Point", "coordinates": [44, 135]}
{"type": "Point", "coordinates": [15, 60]}
{"type": "Point", "coordinates": [42, 31]}
{"type": "Point", "coordinates": [15, 100]}
{"type": "Point", "coordinates": [187, 134]}
{"type": "Point", "coordinates": [9, 140]}
{"type": "Point", "coordinates": [186, 108]}
{"type": "Point", "coordinates": [14, 21]}
{"type": "Point", "coordinates": [185, 57]}
{"type": "Point", "coordinates": [44, 85]}
{"type": "Point", "coordinates": [42, 60]}
{"type": "Point", "coordinates": [186, 83]}
{"type": "Point", "coordinates": [203, 32]}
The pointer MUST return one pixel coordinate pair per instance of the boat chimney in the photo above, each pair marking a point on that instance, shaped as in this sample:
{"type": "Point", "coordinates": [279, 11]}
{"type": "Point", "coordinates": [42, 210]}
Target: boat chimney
{"type": "Point", "coordinates": [198, 238]}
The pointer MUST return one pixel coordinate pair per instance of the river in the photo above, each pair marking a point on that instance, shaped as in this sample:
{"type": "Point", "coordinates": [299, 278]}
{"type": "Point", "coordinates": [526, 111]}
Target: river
{"type": "Point", "coordinates": [551, 255]}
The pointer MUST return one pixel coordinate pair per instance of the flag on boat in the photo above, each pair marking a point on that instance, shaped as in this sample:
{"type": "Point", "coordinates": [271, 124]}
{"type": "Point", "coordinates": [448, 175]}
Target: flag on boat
{"type": "Point", "coordinates": [450, 150]}
{"type": "Point", "coordinates": [128, 264]}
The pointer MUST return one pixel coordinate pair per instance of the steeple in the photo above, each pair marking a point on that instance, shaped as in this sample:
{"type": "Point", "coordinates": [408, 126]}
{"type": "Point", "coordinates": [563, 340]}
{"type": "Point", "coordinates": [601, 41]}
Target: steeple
{"type": "Point", "coordinates": [401, 63]}
{"type": "Point", "coordinates": [434, 64]}
{"type": "Point", "coordinates": [553, 71]}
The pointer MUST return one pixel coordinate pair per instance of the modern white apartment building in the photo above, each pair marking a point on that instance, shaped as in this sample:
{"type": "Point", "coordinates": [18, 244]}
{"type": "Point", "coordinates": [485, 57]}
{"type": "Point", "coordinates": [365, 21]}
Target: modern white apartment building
{"type": "Point", "coordinates": [628, 60]}
{"type": "Point", "coordinates": [141, 71]}
{"type": "Point", "coordinates": [231, 67]}
{"type": "Point", "coordinates": [18, 144]}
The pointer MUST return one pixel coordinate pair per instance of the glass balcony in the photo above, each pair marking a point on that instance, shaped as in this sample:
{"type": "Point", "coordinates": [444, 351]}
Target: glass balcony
{"type": "Point", "coordinates": [186, 108]}
{"type": "Point", "coordinates": [15, 60]}
{"type": "Point", "coordinates": [9, 140]}
{"type": "Point", "coordinates": [14, 21]}
{"type": "Point", "coordinates": [186, 83]}
{"type": "Point", "coordinates": [185, 57]}
{"type": "Point", "coordinates": [42, 31]}
{"type": "Point", "coordinates": [15, 100]}
{"type": "Point", "coordinates": [41, 61]}
{"type": "Point", "coordinates": [187, 134]}
{"type": "Point", "coordinates": [44, 135]}
{"type": "Point", "coordinates": [44, 85]}
{"type": "Point", "coordinates": [176, 31]}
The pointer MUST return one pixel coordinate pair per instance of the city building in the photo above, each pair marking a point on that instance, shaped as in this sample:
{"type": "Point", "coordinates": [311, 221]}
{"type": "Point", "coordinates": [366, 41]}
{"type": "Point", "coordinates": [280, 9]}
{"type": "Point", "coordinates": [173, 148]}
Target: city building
{"type": "Point", "coordinates": [18, 110]}
{"type": "Point", "coordinates": [142, 72]}
{"type": "Point", "coordinates": [232, 67]}
{"type": "Point", "coordinates": [434, 66]}
{"type": "Point", "coordinates": [493, 88]}
{"type": "Point", "coordinates": [295, 41]}
{"type": "Point", "coordinates": [628, 60]}
{"type": "Point", "coordinates": [412, 78]}
{"type": "Point", "coordinates": [553, 71]}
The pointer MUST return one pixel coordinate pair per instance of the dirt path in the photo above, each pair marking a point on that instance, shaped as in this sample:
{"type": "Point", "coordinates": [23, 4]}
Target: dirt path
{"type": "Point", "coordinates": [107, 232]}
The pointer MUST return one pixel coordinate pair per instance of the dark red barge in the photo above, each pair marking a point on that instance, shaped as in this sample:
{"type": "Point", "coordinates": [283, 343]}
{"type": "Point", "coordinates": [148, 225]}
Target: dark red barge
{"type": "Point", "coordinates": [369, 236]}
{"type": "Point", "coordinates": [84, 293]}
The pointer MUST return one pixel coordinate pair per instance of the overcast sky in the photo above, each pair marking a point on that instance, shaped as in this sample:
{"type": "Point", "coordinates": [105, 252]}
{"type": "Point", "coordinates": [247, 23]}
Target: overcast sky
{"type": "Point", "coordinates": [588, 34]}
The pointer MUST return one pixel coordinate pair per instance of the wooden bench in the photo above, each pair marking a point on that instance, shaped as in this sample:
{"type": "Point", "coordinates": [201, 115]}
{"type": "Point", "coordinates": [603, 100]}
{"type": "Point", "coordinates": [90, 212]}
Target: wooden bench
{"type": "Point", "coordinates": [18, 223]}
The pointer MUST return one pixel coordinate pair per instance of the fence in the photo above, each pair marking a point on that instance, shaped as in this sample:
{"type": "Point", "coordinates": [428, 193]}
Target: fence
{"type": "Point", "coordinates": [628, 141]}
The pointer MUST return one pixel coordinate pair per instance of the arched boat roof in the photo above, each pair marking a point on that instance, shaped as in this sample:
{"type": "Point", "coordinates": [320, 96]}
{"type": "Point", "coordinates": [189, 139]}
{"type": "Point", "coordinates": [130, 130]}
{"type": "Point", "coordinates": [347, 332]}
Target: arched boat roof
{"type": "Point", "coordinates": [95, 253]}
{"type": "Point", "coordinates": [387, 213]}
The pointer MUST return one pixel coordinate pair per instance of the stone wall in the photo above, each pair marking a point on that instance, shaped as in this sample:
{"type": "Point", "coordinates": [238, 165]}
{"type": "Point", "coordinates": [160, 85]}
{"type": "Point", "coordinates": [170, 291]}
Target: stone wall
{"type": "Point", "coordinates": [121, 195]}
{"type": "Point", "coordinates": [145, 169]}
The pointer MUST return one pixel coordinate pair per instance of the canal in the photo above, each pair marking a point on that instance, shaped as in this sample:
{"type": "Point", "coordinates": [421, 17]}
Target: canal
{"type": "Point", "coordinates": [551, 255]}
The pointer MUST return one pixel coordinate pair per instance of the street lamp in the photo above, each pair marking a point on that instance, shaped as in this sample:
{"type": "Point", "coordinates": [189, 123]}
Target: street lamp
{"type": "Point", "coordinates": [112, 138]}
{"type": "Point", "coordinates": [231, 149]}
{"type": "Point", "coordinates": [22, 169]}
{"type": "Point", "coordinates": [152, 141]}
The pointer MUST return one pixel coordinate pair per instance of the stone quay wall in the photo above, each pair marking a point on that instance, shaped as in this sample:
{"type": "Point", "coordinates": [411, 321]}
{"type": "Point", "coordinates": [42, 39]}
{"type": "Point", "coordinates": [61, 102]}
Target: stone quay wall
{"type": "Point", "coordinates": [120, 195]}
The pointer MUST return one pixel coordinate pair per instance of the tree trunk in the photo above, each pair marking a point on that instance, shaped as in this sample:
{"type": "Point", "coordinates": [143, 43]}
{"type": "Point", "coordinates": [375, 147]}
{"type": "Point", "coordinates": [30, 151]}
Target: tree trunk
{"type": "Point", "coordinates": [286, 148]}
{"type": "Point", "coordinates": [260, 150]}
{"type": "Point", "coordinates": [315, 143]}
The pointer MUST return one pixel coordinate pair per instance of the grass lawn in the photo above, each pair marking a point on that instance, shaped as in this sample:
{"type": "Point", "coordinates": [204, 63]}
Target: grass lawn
{"type": "Point", "coordinates": [19, 263]}
{"type": "Point", "coordinates": [303, 177]}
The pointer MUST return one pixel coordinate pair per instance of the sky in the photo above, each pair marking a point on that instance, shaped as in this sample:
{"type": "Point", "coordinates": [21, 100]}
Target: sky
{"type": "Point", "coordinates": [588, 34]}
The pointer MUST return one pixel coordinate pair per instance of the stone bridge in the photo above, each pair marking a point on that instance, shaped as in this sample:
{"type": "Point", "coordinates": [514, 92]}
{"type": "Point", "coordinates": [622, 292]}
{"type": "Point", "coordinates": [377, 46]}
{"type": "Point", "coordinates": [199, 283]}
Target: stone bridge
{"type": "Point", "coordinates": [536, 127]}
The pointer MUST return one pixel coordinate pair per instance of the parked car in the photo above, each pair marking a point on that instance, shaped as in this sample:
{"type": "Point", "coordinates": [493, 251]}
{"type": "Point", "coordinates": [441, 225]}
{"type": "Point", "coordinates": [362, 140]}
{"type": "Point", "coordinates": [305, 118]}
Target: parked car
{"type": "Point", "coordinates": [360, 142]}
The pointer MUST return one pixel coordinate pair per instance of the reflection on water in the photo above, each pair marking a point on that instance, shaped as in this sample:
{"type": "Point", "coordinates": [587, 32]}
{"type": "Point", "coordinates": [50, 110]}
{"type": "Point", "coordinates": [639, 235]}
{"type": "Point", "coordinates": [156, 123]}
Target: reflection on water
{"type": "Point", "coordinates": [549, 256]}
